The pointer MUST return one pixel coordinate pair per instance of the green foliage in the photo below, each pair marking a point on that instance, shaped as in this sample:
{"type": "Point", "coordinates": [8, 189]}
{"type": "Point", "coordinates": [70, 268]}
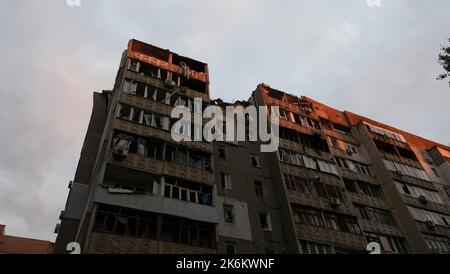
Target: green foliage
{"type": "Point", "coordinates": [444, 60]}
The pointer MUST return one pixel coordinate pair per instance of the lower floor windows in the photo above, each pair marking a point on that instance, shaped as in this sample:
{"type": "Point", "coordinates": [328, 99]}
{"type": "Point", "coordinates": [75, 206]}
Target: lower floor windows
{"type": "Point", "coordinates": [188, 191]}
{"type": "Point", "coordinates": [438, 244]}
{"type": "Point", "coordinates": [327, 220]}
{"type": "Point", "coordinates": [315, 248]}
{"type": "Point", "coordinates": [230, 248]}
{"type": "Point", "coordinates": [143, 224]}
{"type": "Point", "coordinates": [388, 243]}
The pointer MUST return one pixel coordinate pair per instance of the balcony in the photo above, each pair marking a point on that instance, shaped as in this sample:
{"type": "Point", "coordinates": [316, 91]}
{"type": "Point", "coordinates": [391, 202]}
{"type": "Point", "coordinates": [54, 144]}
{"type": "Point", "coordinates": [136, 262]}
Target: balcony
{"type": "Point", "coordinates": [361, 198]}
{"type": "Point", "coordinates": [313, 233]}
{"type": "Point", "coordinates": [388, 140]}
{"type": "Point", "coordinates": [298, 127]}
{"type": "Point", "coordinates": [152, 132]}
{"type": "Point", "coordinates": [185, 91]}
{"type": "Point", "coordinates": [369, 226]}
{"type": "Point", "coordinates": [302, 149]}
{"type": "Point", "coordinates": [436, 229]}
{"type": "Point", "coordinates": [159, 204]}
{"type": "Point", "coordinates": [412, 180]}
{"type": "Point", "coordinates": [104, 243]}
{"type": "Point", "coordinates": [428, 205]}
{"type": "Point", "coordinates": [144, 103]}
{"type": "Point", "coordinates": [398, 159]}
{"type": "Point", "coordinates": [162, 167]}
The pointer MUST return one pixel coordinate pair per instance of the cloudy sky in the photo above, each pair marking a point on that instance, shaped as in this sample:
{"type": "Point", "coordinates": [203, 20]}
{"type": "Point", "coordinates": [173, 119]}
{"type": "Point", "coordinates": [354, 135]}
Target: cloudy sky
{"type": "Point", "coordinates": [380, 62]}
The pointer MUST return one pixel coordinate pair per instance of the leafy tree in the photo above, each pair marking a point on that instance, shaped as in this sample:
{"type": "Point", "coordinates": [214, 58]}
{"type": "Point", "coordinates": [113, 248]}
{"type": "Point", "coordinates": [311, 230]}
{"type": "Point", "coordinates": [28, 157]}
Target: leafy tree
{"type": "Point", "coordinates": [444, 60]}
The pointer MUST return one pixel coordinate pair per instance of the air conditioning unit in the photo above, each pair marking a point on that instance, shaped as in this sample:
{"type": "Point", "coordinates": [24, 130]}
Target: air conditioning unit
{"type": "Point", "coordinates": [423, 199]}
{"type": "Point", "coordinates": [335, 202]}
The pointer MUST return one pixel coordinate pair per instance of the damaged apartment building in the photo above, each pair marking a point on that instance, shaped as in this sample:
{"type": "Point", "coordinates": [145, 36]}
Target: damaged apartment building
{"type": "Point", "coordinates": [337, 182]}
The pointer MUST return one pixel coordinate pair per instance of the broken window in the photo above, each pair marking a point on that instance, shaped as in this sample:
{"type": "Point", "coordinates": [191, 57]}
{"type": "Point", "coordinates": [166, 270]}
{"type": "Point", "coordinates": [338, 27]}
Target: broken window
{"type": "Point", "coordinates": [222, 153]}
{"type": "Point", "coordinates": [315, 248]}
{"type": "Point", "coordinates": [155, 149]}
{"type": "Point", "coordinates": [121, 144]}
{"type": "Point", "coordinates": [350, 185]}
{"type": "Point", "coordinates": [148, 118]}
{"type": "Point", "coordinates": [181, 157]}
{"type": "Point", "coordinates": [254, 160]}
{"type": "Point", "coordinates": [264, 221]}
{"type": "Point", "coordinates": [228, 213]}
{"type": "Point", "coordinates": [230, 248]}
{"type": "Point", "coordinates": [124, 112]}
{"type": "Point", "coordinates": [134, 65]}
{"type": "Point", "coordinates": [130, 86]}
{"type": "Point", "coordinates": [160, 121]}
{"type": "Point", "coordinates": [188, 191]}
{"type": "Point", "coordinates": [259, 189]}
{"type": "Point", "coordinates": [225, 180]}
{"type": "Point", "coordinates": [334, 142]}
{"type": "Point", "coordinates": [136, 115]}
{"type": "Point", "coordinates": [195, 160]}
{"type": "Point", "coordinates": [141, 90]}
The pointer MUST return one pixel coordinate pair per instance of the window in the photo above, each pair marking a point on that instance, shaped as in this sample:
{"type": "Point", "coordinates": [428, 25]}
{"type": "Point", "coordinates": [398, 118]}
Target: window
{"type": "Point", "coordinates": [124, 112]}
{"type": "Point", "coordinates": [230, 248]}
{"type": "Point", "coordinates": [370, 189]}
{"type": "Point", "coordinates": [130, 87]}
{"type": "Point", "coordinates": [259, 189]}
{"type": "Point", "coordinates": [311, 217]}
{"type": "Point", "coordinates": [228, 213]}
{"type": "Point", "coordinates": [350, 185]}
{"type": "Point", "coordinates": [254, 160]}
{"type": "Point", "coordinates": [327, 220]}
{"type": "Point", "coordinates": [225, 181]}
{"type": "Point", "coordinates": [354, 166]}
{"type": "Point", "coordinates": [385, 132]}
{"type": "Point", "coordinates": [406, 170]}
{"type": "Point", "coordinates": [222, 153]}
{"type": "Point", "coordinates": [334, 142]}
{"type": "Point", "coordinates": [389, 243]}
{"type": "Point", "coordinates": [374, 214]}
{"type": "Point", "coordinates": [435, 172]}
{"type": "Point", "coordinates": [188, 191]}
{"type": "Point", "coordinates": [438, 244]}
{"type": "Point", "coordinates": [264, 221]}
{"type": "Point", "coordinates": [417, 192]}
{"type": "Point", "coordinates": [351, 149]}
{"type": "Point", "coordinates": [423, 215]}
{"type": "Point", "coordinates": [134, 65]}
{"type": "Point", "coordinates": [136, 115]}
{"type": "Point", "coordinates": [315, 248]}
{"type": "Point", "coordinates": [309, 162]}
{"type": "Point", "coordinates": [361, 211]}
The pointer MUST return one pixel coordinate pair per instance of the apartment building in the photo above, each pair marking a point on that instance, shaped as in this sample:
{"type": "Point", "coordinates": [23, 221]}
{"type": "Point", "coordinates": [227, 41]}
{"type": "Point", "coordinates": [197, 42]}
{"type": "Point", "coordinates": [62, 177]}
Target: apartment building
{"type": "Point", "coordinates": [337, 182]}
{"type": "Point", "coordinates": [136, 190]}
{"type": "Point", "coordinates": [349, 180]}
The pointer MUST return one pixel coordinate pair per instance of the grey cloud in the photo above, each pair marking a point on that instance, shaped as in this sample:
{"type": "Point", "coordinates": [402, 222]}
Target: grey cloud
{"type": "Point", "coordinates": [342, 53]}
